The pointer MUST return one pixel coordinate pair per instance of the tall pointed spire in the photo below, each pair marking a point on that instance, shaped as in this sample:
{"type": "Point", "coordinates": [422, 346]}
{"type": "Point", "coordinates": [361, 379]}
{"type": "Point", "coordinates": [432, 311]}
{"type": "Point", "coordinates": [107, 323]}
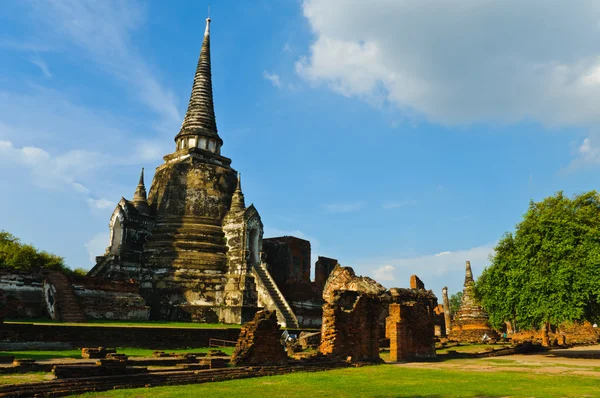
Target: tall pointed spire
{"type": "Point", "coordinates": [468, 275]}
{"type": "Point", "coordinates": [200, 116]}
{"type": "Point", "coordinates": [140, 200]}
{"type": "Point", "coordinates": [237, 201]}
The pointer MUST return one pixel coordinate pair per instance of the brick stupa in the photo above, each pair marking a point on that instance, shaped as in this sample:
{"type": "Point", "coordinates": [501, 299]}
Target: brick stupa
{"type": "Point", "coordinates": [470, 321]}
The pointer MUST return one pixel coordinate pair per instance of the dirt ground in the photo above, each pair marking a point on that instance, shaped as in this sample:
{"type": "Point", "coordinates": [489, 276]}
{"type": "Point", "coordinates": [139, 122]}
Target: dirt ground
{"type": "Point", "coordinates": [577, 361]}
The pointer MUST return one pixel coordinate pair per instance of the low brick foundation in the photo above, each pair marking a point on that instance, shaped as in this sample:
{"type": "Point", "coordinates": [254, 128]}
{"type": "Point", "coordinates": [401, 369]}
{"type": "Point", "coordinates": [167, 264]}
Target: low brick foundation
{"type": "Point", "coordinates": [158, 338]}
{"type": "Point", "coordinates": [59, 388]}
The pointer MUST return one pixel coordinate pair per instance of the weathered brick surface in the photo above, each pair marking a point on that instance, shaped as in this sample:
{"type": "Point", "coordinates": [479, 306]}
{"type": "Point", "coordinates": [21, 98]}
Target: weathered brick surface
{"type": "Point", "coordinates": [259, 342]}
{"type": "Point", "coordinates": [351, 326]}
{"type": "Point", "coordinates": [416, 283]}
{"type": "Point", "coordinates": [323, 268]}
{"type": "Point", "coordinates": [576, 333]}
{"type": "Point", "coordinates": [410, 325]}
{"type": "Point", "coordinates": [96, 352]}
{"type": "Point", "coordinates": [344, 278]}
{"type": "Point", "coordinates": [439, 320]}
{"type": "Point", "coordinates": [411, 331]}
{"type": "Point", "coordinates": [114, 336]}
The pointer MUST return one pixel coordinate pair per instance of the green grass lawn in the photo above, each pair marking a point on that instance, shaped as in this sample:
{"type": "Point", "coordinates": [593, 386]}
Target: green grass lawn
{"type": "Point", "coordinates": [107, 322]}
{"type": "Point", "coordinates": [32, 377]}
{"type": "Point", "coordinates": [383, 381]}
{"type": "Point", "coordinates": [133, 352]}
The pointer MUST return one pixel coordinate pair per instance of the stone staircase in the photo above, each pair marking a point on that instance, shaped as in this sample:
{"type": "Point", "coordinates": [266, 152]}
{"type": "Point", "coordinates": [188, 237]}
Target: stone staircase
{"type": "Point", "coordinates": [67, 305]}
{"type": "Point", "coordinates": [275, 300]}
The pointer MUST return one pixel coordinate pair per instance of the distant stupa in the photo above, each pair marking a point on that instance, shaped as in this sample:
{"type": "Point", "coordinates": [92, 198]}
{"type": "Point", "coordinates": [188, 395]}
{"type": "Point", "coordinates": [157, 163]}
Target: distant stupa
{"type": "Point", "coordinates": [471, 322]}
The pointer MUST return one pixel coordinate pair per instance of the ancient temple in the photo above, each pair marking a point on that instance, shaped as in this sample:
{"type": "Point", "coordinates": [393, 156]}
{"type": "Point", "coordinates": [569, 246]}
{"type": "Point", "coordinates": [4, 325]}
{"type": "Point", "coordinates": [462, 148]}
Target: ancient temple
{"type": "Point", "coordinates": [470, 321]}
{"type": "Point", "coordinates": [192, 243]}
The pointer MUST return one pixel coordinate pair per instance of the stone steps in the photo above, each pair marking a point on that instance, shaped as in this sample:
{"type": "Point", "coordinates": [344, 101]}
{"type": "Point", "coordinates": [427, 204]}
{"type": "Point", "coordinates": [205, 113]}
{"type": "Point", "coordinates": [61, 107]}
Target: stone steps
{"type": "Point", "coordinates": [281, 304]}
{"type": "Point", "coordinates": [67, 305]}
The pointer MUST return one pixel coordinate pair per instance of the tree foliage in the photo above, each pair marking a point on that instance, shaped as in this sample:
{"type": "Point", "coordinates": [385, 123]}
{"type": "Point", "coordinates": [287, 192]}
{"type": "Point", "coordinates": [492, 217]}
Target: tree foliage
{"type": "Point", "coordinates": [548, 271]}
{"type": "Point", "coordinates": [18, 256]}
{"type": "Point", "coordinates": [455, 301]}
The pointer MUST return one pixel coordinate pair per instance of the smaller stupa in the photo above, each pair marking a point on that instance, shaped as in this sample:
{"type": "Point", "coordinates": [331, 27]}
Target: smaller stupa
{"type": "Point", "coordinates": [471, 321]}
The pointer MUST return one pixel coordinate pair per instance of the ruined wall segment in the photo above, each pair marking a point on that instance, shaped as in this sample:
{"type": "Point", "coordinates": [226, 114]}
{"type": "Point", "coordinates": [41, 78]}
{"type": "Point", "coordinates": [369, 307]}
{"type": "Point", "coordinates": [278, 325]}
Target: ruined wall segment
{"type": "Point", "coordinates": [350, 329]}
{"type": "Point", "coordinates": [288, 261]}
{"type": "Point", "coordinates": [447, 317]}
{"type": "Point", "coordinates": [323, 268]}
{"type": "Point", "coordinates": [288, 258]}
{"type": "Point", "coordinates": [259, 342]}
{"type": "Point", "coordinates": [353, 316]}
{"type": "Point", "coordinates": [410, 325]}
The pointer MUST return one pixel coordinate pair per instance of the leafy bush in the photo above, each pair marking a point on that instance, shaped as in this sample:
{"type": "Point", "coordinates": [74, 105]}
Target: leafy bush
{"type": "Point", "coordinates": [22, 257]}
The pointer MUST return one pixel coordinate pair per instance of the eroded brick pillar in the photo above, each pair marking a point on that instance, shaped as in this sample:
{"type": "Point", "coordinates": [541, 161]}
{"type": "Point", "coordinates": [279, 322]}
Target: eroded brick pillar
{"type": "Point", "coordinates": [397, 330]}
{"type": "Point", "coordinates": [447, 318]}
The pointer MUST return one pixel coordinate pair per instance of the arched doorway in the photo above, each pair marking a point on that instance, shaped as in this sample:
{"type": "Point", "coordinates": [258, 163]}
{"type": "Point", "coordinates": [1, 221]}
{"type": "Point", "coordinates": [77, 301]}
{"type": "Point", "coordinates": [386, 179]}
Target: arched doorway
{"type": "Point", "coordinates": [254, 249]}
{"type": "Point", "coordinates": [116, 236]}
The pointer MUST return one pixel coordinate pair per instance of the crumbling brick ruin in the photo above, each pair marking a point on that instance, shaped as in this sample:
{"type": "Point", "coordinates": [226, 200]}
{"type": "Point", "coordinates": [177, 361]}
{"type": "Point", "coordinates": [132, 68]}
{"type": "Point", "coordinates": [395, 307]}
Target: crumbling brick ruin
{"type": "Point", "coordinates": [470, 322]}
{"type": "Point", "coordinates": [259, 342]}
{"type": "Point", "coordinates": [350, 326]}
{"type": "Point", "coordinates": [416, 283]}
{"type": "Point", "coordinates": [323, 268]}
{"type": "Point", "coordinates": [575, 333]}
{"type": "Point", "coordinates": [288, 261]}
{"type": "Point", "coordinates": [439, 320]}
{"type": "Point", "coordinates": [411, 322]}
{"type": "Point", "coordinates": [447, 316]}
{"type": "Point", "coordinates": [352, 316]}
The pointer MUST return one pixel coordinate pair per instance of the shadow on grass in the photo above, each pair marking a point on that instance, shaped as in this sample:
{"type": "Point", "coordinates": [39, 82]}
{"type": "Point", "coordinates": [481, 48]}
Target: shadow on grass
{"type": "Point", "coordinates": [582, 354]}
{"type": "Point", "coordinates": [479, 395]}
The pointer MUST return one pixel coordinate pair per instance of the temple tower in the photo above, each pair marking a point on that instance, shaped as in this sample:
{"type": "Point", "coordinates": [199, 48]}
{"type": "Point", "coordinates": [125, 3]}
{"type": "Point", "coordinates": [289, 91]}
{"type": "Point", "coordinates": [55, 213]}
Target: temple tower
{"type": "Point", "coordinates": [191, 242]}
{"type": "Point", "coordinates": [470, 321]}
{"type": "Point", "coordinates": [192, 191]}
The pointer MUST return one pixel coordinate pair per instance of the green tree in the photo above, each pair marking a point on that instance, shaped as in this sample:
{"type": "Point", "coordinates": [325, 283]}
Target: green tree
{"type": "Point", "coordinates": [548, 271]}
{"type": "Point", "coordinates": [19, 256]}
{"type": "Point", "coordinates": [455, 300]}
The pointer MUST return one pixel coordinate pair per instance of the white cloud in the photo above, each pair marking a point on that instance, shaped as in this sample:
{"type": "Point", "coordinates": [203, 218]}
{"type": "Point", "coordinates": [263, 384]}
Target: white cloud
{"type": "Point", "coordinates": [100, 204]}
{"type": "Point", "coordinates": [51, 171]}
{"type": "Point", "coordinates": [384, 273]}
{"type": "Point", "coordinates": [273, 78]}
{"type": "Point", "coordinates": [397, 204]}
{"type": "Point", "coordinates": [80, 187]}
{"type": "Point", "coordinates": [40, 63]}
{"type": "Point", "coordinates": [343, 207]}
{"type": "Point", "coordinates": [586, 154]}
{"type": "Point", "coordinates": [97, 245]}
{"type": "Point", "coordinates": [463, 61]}
{"type": "Point", "coordinates": [446, 268]}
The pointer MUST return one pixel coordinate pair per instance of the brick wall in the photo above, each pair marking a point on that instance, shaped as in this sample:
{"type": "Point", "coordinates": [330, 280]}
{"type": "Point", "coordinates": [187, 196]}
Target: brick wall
{"type": "Point", "coordinates": [323, 268]}
{"type": "Point", "coordinates": [158, 338]}
{"type": "Point", "coordinates": [259, 342]}
{"type": "Point", "coordinates": [350, 326]}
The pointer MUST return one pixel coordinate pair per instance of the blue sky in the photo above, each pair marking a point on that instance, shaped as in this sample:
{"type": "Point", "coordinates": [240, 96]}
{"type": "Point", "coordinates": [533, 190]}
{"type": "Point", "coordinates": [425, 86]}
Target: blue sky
{"type": "Point", "coordinates": [399, 137]}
